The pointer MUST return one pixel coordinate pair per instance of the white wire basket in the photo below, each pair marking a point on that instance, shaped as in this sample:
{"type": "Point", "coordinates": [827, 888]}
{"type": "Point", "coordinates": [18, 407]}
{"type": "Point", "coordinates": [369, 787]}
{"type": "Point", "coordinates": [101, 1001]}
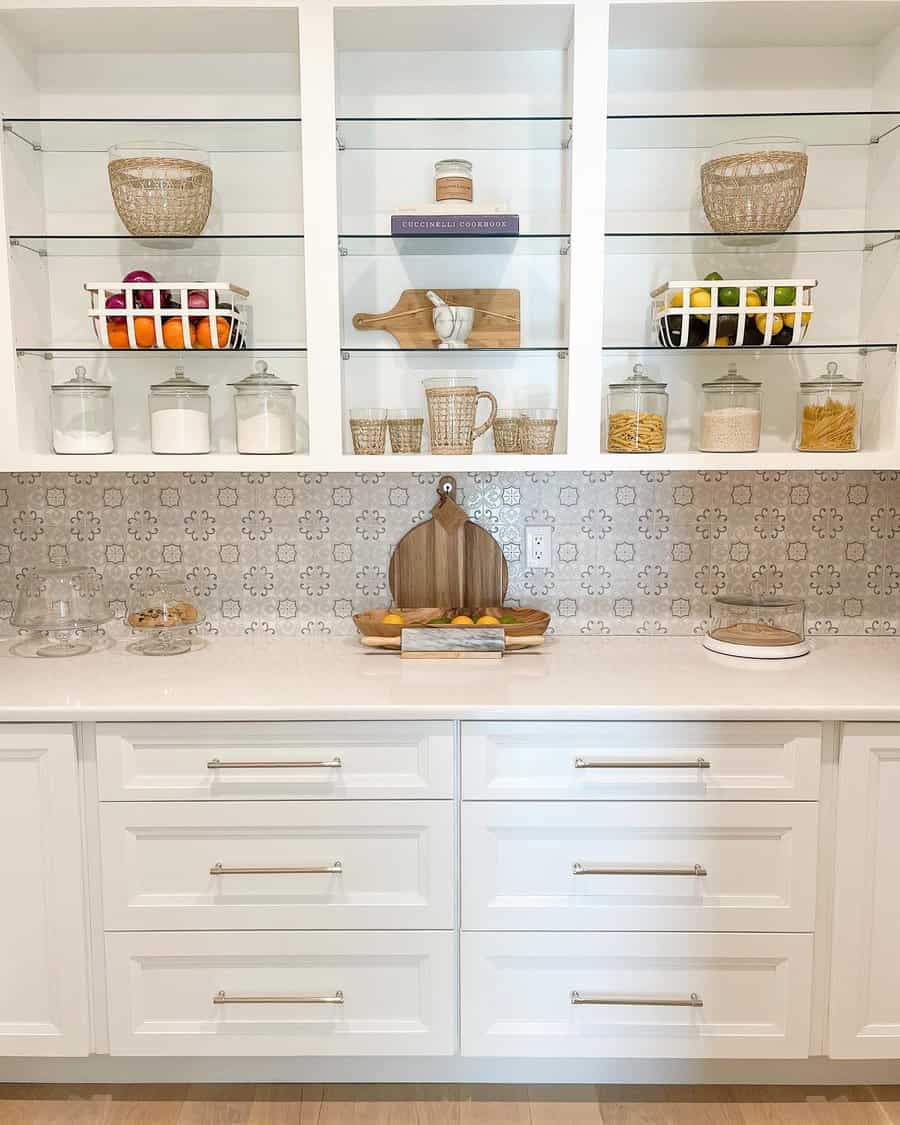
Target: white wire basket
{"type": "Point", "coordinates": [144, 326]}
{"type": "Point", "coordinates": [735, 314]}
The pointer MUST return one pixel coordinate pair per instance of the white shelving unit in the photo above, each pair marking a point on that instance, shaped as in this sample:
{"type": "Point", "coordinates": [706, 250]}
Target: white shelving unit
{"type": "Point", "coordinates": [591, 119]}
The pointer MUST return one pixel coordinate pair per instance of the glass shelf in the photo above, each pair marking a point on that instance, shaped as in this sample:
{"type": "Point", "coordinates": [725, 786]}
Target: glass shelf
{"type": "Point", "coordinates": [791, 242]}
{"type": "Point", "coordinates": [460, 133]}
{"type": "Point", "coordinates": [375, 245]}
{"type": "Point", "coordinates": [115, 245]}
{"type": "Point", "coordinates": [688, 130]}
{"type": "Point", "coordinates": [455, 354]}
{"type": "Point", "coordinates": [215, 134]}
{"type": "Point", "coordinates": [54, 352]}
{"type": "Point", "coordinates": [761, 353]}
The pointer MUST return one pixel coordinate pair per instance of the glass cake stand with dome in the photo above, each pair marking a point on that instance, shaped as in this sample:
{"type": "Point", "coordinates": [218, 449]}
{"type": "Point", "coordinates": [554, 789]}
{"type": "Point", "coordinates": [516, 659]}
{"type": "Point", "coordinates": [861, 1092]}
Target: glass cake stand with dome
{"type": "Point", "coordinates": [758, 626]}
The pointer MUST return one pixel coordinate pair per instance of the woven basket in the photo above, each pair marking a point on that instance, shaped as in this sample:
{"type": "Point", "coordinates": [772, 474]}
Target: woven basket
{"type": "Point", "coordinates": [406, 434]}
{"type": "Point", "coordinates": [753, 192]}
{"type": "Point", "coordinates": [161, 195]}
{"type": "Point", "coordinates": [368, 436]}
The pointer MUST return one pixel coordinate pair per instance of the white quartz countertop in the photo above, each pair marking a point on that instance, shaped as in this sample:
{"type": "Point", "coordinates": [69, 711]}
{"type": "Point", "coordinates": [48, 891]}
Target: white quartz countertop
{"type": "Point", "coordinates": [600, 678]}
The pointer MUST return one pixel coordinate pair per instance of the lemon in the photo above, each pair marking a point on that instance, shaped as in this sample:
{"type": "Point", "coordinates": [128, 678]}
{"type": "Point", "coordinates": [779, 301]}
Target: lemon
{"type": "Point", "coordinates": [487, 619]}
{"type": "Point", "coordinates": [789, 319]}
{"type": "Point", "coordinates": [392, 619]}
{"type": "Point", "coordinates": [753, 299]}
{"type": "Point", "coordinates": [462, 620]}
{"type": "Point", "coordinates": [777, 324]}
{"type": "Point", "coordinates": [701, 299]}
{"type": "Point", "coordinates": [676, 300]}
{"type": "Point", "coordinates": [723, 342]}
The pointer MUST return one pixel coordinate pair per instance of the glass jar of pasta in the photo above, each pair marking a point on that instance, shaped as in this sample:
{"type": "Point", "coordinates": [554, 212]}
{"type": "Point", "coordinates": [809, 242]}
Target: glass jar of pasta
{"type": "Point", "coordinates": [829, 414]}
{"type": "Point", "coordinates": [636, 414]}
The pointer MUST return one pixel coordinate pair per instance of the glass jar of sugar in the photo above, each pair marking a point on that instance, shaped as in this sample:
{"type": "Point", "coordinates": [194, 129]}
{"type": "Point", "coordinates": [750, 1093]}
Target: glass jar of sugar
{"type": "Point", "coordinates": [179, 415]}
{"type": "Point", "coordinates": [82, 415]}
{"type": "Point", "coordinates": [265, 412]}
{"type": "Point", "coordinates": [731, 414]}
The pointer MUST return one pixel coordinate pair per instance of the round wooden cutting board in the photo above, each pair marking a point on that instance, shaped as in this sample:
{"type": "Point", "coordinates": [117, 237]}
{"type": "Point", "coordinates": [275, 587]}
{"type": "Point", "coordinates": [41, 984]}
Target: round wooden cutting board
{"type": "Point", "coordinates": [448, 560]}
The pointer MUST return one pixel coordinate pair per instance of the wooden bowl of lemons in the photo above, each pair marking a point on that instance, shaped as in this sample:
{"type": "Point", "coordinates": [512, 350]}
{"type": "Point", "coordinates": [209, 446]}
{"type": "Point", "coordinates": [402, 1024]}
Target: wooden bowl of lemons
{"type": "Point", "coordinates": [391, 622]}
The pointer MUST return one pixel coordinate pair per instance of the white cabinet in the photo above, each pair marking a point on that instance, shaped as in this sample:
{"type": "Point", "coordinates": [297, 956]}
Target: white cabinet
{"type": "Point", "coordinates": [274, 761]}
{"type": "Point", "coordinates": [627, 995]}
{"type": "Point", "coordinates": [43, 973]}
{"type": "Point", "coordinates": [865, 974]}
{"type": "Point", "coordinates": [282, 993]}
{"type": "Point", "coordinates": [278, 865]}
{"type": "Point", "coordinates": [584, 761]}
{"type": "Point", "coordinates": [639, 865]}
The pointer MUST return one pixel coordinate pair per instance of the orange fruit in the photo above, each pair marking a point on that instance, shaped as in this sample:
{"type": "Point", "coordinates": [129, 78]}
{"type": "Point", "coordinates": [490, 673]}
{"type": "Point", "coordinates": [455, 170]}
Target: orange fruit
{"type": "Point", "coordinates": [204, 338]}
{"type": "Point", "coordinates": [144, 331]}
{"type": "Point", "coordinates": [173, 333]}
{"type": "Point", "coordinates": [118, 335]}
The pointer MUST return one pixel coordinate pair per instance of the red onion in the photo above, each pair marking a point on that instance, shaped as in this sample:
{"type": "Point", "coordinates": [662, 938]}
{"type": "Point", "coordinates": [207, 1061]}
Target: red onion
{"type": "Point", "coordinates": [115, 301]}
{"type": "Point", "coordinates": [198, 299]}
{"type": "Point", "coordinates": [143, 298]}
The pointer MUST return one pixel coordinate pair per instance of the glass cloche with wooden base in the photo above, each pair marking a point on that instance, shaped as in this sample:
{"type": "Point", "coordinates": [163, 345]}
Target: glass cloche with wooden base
{"type": "Point", "coordinates": [758, 626]}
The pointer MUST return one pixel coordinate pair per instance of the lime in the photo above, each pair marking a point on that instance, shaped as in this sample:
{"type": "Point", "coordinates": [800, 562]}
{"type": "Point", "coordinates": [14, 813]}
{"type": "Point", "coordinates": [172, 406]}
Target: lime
{"type": "Point", "coordinates": [730, 296]}
{"type": "Point", "coordinates": [439, 621]}
{"type": "Point", "coordinates": [714, 276]}
{"type": "Point", "coordinates": [507, 620]}
{"type": "Point", "coordinates": [785, 294]}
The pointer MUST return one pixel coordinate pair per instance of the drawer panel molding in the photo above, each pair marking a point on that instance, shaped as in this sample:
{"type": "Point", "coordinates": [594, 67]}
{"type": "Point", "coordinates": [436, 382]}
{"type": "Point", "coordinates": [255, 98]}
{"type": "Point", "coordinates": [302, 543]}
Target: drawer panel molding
{"type": "Point", "coordinates": [272, 761]}
{"type": "Point", "coordinates": [278, 865]}
{"type": "Point", "coordinates": [592, 761]}
{"type": "Point", "coordinates": [282, 993]}
{"type": "Point", "coordinates": [644, 995]}
{"type": "Point", "coordinates": [640, 865]}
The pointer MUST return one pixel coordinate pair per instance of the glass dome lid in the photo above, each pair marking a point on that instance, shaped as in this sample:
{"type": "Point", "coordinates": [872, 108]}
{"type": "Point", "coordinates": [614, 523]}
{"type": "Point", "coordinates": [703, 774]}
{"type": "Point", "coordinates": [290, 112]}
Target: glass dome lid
{"type": "Point", "coordinates": [732, 380]}
{"type": "Point", "coordinates": [80, 383]}
{"type": "Point", "coordinates": [757, 601]}
{"type": "Point", "coordinates": [638, 382]}
{"type": "Point", "coordinates": [830, 378]}
{"type": "Point", "coordinates": [179, 384]}
{"type": "Point", "coordinates": [261, 377]}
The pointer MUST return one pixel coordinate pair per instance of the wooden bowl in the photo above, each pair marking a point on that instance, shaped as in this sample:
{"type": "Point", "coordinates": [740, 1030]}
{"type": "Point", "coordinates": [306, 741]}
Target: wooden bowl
{"type": "Point", "coordinates": [529, 622]}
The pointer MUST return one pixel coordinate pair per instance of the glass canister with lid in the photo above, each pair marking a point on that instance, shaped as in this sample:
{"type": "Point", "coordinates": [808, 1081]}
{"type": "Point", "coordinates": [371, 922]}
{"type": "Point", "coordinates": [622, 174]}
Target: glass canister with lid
{"type": "Point", "coordinates": [829, 413]}
{"type": "Point", "coordinates": [180, 415]}
{"type": "Point", "coordinates": [265, 412]}
{"type": "Point", "coordinates": [82, 415]}
{"type": "Point", "coordinates": [731, 414]}
{"type": "Point", "coordinates": [757, 625]}
{"type": "Point", "coordinates": [637, 413]}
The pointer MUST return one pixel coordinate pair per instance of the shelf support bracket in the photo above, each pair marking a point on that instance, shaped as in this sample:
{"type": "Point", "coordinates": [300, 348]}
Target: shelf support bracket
{"type": "Point", "coordinates": [341, 143]}
{"type": "Point", "coordinates": [884, 242]}
{"type": "Point", "coordinates": [31, 144]}
{"type": "Point", "coordinates": [25, 246]}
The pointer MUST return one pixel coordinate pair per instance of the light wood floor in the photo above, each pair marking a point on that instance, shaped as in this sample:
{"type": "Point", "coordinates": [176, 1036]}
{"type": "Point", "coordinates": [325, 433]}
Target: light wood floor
{"type": "Point", "coordinates": [448, 1105]}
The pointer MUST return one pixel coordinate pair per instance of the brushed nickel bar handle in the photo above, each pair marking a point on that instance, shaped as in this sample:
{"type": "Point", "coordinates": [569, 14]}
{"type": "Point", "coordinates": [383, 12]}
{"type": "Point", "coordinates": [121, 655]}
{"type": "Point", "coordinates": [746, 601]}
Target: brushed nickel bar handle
{"type": "Point", "coordinates": [218, 764]}
{"type": "Point", "coordinates": [223, 998]}
{"type": "Point", "coordinates": [638, 764]}
{"type": "Point", "coordinates": [692, 1001]}
{"type": "Point", "coordinates": [336, 868]}
{"type": "Point", "coordinates": [611, 869]}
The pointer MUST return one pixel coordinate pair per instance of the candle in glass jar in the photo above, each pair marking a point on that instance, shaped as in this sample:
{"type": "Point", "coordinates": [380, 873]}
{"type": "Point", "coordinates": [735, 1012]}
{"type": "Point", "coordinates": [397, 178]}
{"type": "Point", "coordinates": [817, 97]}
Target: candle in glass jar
{"type": "Point", "coordinates": [453, 180]}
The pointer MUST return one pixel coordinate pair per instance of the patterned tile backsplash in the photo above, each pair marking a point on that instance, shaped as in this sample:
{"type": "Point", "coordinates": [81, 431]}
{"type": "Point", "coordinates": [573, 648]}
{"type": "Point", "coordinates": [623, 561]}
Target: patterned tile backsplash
{"type": "Point", "coordinates": [633, 553]}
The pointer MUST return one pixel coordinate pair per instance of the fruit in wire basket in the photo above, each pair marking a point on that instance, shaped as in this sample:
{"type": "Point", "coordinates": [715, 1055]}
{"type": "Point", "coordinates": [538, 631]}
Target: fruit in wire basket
{"type": "Point", "coordinates": [144, 331]}
{"type": "Point", "coordinates": [204, 336]}
{"type": "Point", "coordinates": [173, 333]}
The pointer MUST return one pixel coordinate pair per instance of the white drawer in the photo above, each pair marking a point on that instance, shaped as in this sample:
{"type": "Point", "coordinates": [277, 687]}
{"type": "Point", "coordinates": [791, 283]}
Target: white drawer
{"type": "Point", "coordinates": [755, 992]}
{"type": "Point", "coordinates": [611, 761]}
{"type": "Point", "coordinates": [395, 859]}
{"type": "Point", "coordinates": [398, 992]}
{"type": "Point", "coordinates": [268, 761]}
{"type": "Point", "coordinates": [739, 865]}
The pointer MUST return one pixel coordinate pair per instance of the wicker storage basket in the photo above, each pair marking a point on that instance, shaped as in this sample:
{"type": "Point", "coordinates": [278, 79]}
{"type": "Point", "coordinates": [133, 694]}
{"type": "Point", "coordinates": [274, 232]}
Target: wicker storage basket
{"type": "Point", "coordinates": [161, 192]}
{"type": "Point", "coordinates": [754, 186]}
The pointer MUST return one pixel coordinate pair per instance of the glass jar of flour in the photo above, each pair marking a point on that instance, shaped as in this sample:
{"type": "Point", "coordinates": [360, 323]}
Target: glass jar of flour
{"type": "Point", "coordinates": [265, 413]}
{"type": "Point", "coordinates": [179, 415]}
{"type": "Point", "coordinates": [82, 414]}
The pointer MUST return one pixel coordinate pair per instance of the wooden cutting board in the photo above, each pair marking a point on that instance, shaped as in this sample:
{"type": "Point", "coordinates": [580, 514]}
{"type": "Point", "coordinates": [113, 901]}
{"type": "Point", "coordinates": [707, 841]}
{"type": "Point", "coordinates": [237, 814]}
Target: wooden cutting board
{"type": "Point", "coordinates": [448, 560]}
{"type": "Point", "coordinates": [497, 318]}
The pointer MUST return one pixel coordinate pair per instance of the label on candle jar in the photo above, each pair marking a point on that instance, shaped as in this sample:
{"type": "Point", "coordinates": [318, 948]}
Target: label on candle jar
{"type": "Point", "coordinates": [453, 187]}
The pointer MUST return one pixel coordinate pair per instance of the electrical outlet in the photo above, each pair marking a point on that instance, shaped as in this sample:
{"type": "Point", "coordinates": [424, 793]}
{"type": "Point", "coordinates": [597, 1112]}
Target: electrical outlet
{"type": "Point", "coordinates": [538, 545]}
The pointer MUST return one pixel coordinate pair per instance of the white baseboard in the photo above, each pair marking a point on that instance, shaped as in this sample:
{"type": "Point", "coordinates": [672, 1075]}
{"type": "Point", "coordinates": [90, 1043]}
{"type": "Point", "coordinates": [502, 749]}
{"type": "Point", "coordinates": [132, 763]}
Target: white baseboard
{"type": "Point", "coordinates": [103, 1069]}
